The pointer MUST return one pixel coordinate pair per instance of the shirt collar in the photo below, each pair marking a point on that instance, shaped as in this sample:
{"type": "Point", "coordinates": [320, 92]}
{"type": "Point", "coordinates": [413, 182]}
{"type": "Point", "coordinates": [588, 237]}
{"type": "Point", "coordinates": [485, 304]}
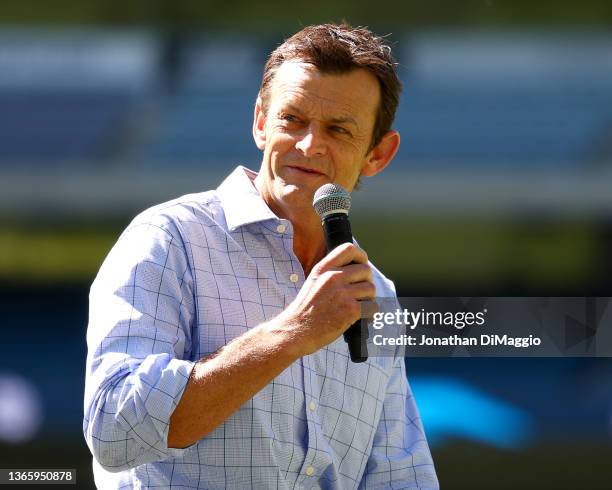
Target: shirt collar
{"type": "Point", "coordinates": [241, 201]}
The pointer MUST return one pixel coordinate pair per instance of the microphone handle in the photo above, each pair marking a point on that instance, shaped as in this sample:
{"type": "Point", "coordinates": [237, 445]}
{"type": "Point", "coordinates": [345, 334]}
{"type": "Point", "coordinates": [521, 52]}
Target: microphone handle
{"type": "Point", "coordinates": [337, 230]}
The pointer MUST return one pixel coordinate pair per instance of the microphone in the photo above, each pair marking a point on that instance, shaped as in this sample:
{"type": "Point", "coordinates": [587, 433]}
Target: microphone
{"type": "Point", "coordinates": [332, 204]}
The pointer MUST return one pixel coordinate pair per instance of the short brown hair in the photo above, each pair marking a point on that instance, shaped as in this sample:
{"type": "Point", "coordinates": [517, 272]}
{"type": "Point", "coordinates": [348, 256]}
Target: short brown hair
{"type": "Point", "coordinates": [337, 49]}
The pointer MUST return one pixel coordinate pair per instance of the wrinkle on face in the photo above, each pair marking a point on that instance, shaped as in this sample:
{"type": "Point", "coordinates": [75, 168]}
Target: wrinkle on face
{"type": "Point", "coordinates": [324, 103]}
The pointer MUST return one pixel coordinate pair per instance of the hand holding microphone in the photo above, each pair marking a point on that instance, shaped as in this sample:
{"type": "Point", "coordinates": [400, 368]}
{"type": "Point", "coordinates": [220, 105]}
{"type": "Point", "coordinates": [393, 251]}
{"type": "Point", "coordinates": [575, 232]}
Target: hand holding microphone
{"type": "Point", "coordinates": [329, 302]}
{"type": "Point", "coordinates": [332, 203]}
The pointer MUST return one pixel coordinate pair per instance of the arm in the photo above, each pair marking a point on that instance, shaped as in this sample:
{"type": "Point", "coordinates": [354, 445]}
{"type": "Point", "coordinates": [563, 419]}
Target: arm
{"type": "Point", "coordinates": [141, 310]}
{"type": "Point", "coordinates": [142, 400]}
{"type": "Point", "coordinates": [400, 456]}
{"type": "Point", "coordinates": [221, 383]}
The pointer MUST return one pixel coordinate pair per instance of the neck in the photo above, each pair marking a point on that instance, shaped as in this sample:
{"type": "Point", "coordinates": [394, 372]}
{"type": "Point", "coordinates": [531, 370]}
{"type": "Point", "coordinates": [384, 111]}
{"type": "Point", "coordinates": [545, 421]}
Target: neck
{"type": "Point", "coordinates": [308, 244]}
{"type": "Point", "coordinates": [308, 238]}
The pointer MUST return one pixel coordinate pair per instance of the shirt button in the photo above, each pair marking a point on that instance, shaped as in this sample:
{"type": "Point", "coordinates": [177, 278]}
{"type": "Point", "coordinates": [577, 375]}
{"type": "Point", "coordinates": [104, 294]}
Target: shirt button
{"type": "Point", "coordinates": [294, 277]}
{"type": "Point", "coordinates": [310, 471]}
{"type": "Point", "coordinates": [312, 406]}
{"type": "Point", "coordinates": [281, 228]}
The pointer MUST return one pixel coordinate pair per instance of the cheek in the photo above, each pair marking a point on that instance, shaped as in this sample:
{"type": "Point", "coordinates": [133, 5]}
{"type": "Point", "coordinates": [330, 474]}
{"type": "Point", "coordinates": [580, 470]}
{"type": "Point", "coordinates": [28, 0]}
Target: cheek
{"type": "Point", "coordinates": [281, 143]}
{"type": "Point", "coordinates": [359, 145]}
{"type": "Point", "coordinates": [350, 154]}
{"type": "Point", "coordinates": [349, 165]}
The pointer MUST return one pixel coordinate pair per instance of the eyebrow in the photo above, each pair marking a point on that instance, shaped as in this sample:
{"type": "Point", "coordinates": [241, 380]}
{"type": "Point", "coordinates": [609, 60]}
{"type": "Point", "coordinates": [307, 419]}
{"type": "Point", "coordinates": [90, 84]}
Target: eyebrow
{"type": "Point", "coordinates": [335, 120]}
{"type": "Point", "coordinates": [345, 120]}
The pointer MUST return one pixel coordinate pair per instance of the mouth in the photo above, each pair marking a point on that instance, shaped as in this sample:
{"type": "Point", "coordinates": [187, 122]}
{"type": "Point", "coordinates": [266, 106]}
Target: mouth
{"type": "Point", "coordinates": [306, 170]}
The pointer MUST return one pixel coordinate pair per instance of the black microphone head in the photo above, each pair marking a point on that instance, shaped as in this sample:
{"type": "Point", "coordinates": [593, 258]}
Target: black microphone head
{"type": "Point", "coordinates": [331, 199]}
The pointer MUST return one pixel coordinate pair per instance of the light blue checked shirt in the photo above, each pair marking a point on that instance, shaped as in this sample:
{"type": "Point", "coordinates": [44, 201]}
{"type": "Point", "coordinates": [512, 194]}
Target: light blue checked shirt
{"type": "Point", "coordinates": [184, 279]}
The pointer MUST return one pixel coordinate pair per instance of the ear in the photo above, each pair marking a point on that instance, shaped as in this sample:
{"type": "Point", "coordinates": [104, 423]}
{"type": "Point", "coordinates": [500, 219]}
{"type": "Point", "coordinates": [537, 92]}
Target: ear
{"type": "Point", "coordinates": [381, 155]}
{"type": "Point", "coordinates": [259, 124]}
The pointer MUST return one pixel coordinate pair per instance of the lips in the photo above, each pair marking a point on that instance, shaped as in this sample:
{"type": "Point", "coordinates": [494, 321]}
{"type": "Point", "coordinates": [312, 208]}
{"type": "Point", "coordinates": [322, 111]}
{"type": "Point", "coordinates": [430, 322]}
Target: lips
{"type": "Point", "coordinates": [307, 170]}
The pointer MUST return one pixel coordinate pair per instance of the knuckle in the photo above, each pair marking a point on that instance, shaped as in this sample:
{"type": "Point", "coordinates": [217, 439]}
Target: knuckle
{"type": "Point", "coordinates": [318, 269]}
{"type": "Point", "coordinates": [351, 249]}
{"type": "Point", "coordinates": [365, 255]}
{"type": "Point", "coordinates": [360, 255]}
{"type": "Point", "coordinates": [331, 276]}
{"type": "Point", "coordinates": [343, 248]}
{"type": "Point", "coordinates": [366, 271]}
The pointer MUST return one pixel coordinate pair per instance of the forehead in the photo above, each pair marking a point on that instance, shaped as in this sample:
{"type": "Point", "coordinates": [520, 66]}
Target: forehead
{"type": "Point", "coordinates": [355, 93]}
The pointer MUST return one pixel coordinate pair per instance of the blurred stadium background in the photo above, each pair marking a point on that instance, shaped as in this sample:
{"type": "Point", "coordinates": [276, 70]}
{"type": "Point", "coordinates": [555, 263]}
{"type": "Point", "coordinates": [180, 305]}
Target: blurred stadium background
{"type": "Point", "coordinates": [502, 186]}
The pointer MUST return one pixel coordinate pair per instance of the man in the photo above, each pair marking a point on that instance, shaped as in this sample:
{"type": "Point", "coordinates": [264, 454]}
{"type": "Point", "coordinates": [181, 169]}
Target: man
{"type": "Point", "coordinates": [216, 358]}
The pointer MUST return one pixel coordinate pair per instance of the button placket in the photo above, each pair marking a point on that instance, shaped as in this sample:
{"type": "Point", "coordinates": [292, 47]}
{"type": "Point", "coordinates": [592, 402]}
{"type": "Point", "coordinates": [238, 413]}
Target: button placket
{"type": "Point", "coordinates": [308, 470]}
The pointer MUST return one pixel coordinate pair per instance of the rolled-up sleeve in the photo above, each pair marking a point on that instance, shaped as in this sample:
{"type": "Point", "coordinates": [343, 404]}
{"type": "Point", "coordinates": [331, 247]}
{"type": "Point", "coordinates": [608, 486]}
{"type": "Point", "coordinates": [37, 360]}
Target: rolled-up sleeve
{"type": "Point", "coordinates": [141, 311]}
{"type": "Point", "coordinates": [400, 456]}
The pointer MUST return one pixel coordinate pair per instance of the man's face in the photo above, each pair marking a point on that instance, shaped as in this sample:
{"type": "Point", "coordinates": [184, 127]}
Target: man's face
{"type": "Point", "coordinates": [317, 129]}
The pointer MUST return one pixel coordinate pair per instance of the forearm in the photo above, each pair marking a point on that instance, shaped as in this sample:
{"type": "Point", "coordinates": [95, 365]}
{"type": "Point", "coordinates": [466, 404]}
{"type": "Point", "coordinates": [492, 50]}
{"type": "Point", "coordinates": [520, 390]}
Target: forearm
{"type": "Point", "coordinates": [220, 384]}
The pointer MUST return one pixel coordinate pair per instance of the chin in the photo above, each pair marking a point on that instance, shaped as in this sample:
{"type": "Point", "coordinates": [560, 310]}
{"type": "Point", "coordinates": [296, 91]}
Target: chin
{"type": "Point", "coordinates": [297, 195]}
{"type": "Point", "coordinates": [293, 187]}
{"type": "Point", "coordinates": [294, 194]}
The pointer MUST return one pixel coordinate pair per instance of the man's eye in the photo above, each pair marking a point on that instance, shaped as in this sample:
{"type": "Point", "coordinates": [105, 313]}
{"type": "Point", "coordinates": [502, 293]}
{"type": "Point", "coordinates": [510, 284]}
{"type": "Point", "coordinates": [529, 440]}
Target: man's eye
{"type": "Point", "coordinates": [289, 118]}
{"type": "Point", "coordinates": [339, 129]}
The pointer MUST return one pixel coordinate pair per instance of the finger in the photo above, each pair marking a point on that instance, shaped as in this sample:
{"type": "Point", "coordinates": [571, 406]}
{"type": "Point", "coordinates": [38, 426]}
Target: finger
{"type": "Point", "coordinates": [363, 291]}
{"type": "Point", "coordinates": [343, 255]}
{"type": "Point", "coordinates": [353, 273]}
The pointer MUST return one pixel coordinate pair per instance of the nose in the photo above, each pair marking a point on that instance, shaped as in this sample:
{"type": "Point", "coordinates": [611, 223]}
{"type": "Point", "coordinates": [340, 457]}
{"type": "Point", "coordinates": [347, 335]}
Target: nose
{"type": "Point", "coordinates": [312, 143]}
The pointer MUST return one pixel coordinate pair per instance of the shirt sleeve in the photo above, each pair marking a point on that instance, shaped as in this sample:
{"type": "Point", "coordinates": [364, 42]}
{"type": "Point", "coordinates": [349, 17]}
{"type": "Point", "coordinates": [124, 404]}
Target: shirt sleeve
{"type": "Point", "coordinates": [141, 310]}
{"type": "Point", "coordinates": [400, 456]}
